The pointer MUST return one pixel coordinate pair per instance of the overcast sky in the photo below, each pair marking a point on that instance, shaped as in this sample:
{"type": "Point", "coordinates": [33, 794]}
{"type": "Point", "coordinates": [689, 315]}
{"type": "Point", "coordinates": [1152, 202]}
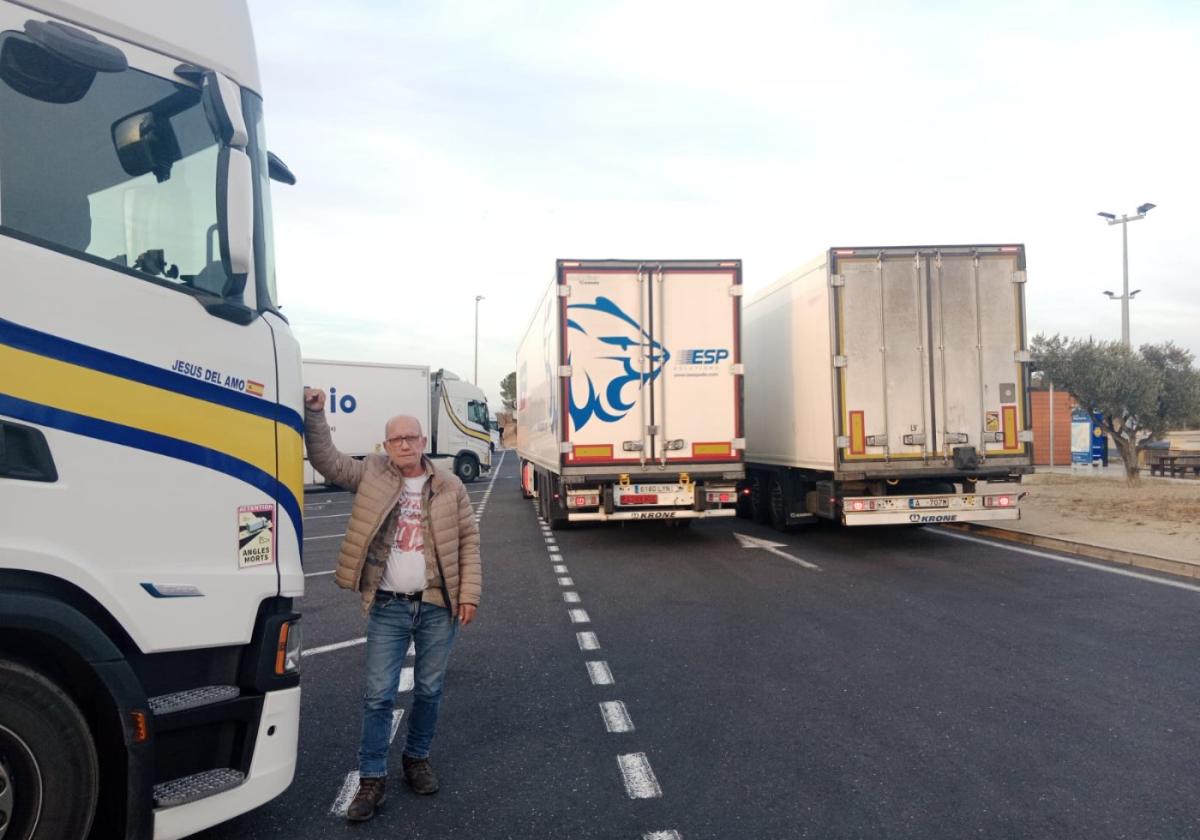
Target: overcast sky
{"type": "Point", "coordinates": [448, 149]}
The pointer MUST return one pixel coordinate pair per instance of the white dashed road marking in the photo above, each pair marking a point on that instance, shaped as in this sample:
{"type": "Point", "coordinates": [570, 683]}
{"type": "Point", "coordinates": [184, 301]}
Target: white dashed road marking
{"type": "Point", "coordinates": [638, 776]}
{"type": "Point", "coordinates": [571, 597]}
{"type": "Point", "coordinates": [587, 641]}
{"type": "Point", "coordinates": [562, 581]}
{"type": "Point", "coordinates": [599, 672]}
{"type": "Point", "coordinates": [578, 616]}
{"type": "Point", "coordinates": [616, 717]}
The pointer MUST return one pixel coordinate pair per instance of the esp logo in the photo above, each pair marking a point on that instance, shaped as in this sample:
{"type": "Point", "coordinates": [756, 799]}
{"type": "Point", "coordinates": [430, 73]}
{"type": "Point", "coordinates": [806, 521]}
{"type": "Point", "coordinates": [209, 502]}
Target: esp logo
{"type": "Point", "coordinates": [704, 356]}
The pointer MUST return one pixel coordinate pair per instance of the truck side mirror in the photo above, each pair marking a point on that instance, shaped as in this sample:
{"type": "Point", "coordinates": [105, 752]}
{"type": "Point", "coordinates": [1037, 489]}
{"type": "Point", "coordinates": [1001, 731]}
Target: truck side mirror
{"type": "Point", "coordinates": [235, 186]}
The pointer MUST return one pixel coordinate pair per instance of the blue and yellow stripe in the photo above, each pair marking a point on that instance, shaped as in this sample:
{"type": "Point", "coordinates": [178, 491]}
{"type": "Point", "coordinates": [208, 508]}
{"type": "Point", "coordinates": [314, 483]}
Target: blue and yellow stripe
{"type": "Point", "coordinates": [57, 383]}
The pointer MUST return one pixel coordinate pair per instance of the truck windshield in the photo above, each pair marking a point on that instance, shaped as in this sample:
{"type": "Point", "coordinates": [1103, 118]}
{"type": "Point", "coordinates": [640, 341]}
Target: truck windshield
{"type": "Point", "coordinates": [67, 182]}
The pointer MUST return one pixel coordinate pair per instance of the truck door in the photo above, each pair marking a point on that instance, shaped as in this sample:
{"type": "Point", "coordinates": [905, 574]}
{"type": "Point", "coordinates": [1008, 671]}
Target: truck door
{"type": "Point", "coordinates": [979, 331]}
{"type": "Point", "coordinates": [611, 355]}
{"type": "Point", "coordinates": [696, 398]}
{"type": "Point", "coordinates": [883, 364]}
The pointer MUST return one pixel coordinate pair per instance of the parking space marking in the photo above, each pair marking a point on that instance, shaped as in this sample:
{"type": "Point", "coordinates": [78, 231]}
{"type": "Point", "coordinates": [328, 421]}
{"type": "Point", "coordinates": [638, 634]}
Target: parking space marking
{"type": "Point", "coordinates": [362, 640]}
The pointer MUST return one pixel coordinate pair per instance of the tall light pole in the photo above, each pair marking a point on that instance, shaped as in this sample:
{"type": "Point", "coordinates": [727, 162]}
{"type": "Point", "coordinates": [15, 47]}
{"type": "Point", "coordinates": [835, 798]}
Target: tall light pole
{"type": "Point", "coordinates": [477, 299]}
{"type": "Point", "coordinates": [1126, 295]}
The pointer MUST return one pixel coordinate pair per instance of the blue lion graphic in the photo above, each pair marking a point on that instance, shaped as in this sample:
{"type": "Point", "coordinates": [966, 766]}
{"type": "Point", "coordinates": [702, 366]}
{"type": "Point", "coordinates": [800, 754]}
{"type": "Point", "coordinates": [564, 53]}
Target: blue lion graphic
{"type": "Point", "coordinates": [608, 326]}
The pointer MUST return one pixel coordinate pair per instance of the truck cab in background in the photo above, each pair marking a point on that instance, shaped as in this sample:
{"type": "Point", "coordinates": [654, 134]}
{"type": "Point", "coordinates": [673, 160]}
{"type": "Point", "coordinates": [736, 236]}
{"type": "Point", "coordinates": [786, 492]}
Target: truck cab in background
{"type": "Point", "coordinates": [150, 427]}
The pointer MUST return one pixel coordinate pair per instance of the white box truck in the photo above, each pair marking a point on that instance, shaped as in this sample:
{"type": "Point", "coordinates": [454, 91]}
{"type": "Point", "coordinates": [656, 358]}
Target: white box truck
{"type": "Point", "coordinates": [629, 391]}
{"type": "Point", "coordinates": [363, 396]}
{"type": "Point", "coordinates": [150, 426]}
{"type": "Point", "coordinates": [889, 385]}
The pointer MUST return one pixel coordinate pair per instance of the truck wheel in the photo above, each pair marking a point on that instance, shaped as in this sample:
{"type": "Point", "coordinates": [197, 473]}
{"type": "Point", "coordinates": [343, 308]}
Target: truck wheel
{"type": "Point", "coordinates": [758, 500]}
{"type": "Point", "coordinates": [466, 468]}
{"type": "Point", "coordinates": [48, 771]}
{"type": "Point", "coordinates": [777, 505]}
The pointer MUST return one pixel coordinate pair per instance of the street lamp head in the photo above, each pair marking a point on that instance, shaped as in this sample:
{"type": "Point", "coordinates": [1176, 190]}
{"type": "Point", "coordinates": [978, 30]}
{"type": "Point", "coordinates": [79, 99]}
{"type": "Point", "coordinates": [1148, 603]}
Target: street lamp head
{"type": "Point", "coordinates": [1146, 208]}
{"type": "Point", "coordinates": [478, 298]}
{"type": "Point", "coordinates": [1110, 294]}
{"type": "Point", "coordinates": [1134, 292]}
{"type": "Point", "coordinates": [1108, 216]}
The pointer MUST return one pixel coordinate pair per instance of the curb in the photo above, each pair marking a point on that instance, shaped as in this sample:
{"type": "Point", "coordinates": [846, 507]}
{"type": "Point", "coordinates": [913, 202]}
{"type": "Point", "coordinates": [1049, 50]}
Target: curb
{"type": "Point", "coordinates": [1181, 568]}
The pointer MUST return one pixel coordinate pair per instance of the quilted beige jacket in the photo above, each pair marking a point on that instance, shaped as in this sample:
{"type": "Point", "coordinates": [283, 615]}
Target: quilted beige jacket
{"type": "Point", "coordinates": [448, 521]}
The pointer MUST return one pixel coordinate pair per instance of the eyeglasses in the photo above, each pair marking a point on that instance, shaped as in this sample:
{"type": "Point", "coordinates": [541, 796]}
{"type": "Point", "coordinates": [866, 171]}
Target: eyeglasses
{"type": "Point", "coordinates": [410, 440]}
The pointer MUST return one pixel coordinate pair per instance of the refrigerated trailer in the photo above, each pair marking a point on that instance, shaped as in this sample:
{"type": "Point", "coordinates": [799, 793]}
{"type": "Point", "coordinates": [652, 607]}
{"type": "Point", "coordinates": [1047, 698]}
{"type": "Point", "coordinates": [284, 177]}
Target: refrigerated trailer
{"type": "Point", "coordinates": [629, 391]}
{"type": "Point", "coordinates": [889, 385]}
{"type": "Point", "coordinates": [363, 396]}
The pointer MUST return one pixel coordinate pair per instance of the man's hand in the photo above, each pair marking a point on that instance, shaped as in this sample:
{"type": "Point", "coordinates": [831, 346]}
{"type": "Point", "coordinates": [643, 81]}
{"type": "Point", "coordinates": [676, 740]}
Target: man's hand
{"type": "Point", "coordinates": [466, 614]}
{"type": "Point", "coordinates": [314, 399]}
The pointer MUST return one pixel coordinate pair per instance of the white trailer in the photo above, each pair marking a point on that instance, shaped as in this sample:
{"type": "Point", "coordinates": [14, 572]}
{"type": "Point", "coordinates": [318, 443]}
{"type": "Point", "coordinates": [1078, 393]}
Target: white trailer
{"type": "Point", "coordinates": [889, 385]}
{"type": "Point", "coordinates": [629, 391]}
{"type": "Point", "coordinates": [363, 396]}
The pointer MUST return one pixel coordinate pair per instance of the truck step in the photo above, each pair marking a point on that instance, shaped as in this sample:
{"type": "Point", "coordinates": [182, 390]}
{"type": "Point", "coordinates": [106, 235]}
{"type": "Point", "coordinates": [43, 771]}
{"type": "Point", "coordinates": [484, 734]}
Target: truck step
{"type": "Point", "coordinates": [196, 786]}
{"type": "Point", "coordinates": [192, 698]}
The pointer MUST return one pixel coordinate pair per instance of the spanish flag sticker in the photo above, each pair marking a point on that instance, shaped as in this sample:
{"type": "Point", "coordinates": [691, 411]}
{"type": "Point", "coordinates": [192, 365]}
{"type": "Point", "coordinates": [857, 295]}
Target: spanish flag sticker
{"type": "Point", "coordinates": [254, 388]}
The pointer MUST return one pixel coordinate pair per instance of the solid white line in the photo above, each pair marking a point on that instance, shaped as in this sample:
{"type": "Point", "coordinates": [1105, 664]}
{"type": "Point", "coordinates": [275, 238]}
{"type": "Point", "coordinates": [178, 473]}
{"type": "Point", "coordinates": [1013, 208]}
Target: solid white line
{"type": "Point", "coordinates": [349, 788]}
{"type": "Point", "coordinates": [578, 616]}
{"type": "Point", "coordinates": [327, 516]}
{"type": "Point", "coordinates": [318, 574]}
{"type": "Point", "coordinates": [565, 581]}
{"type": "Point", "coordinates": [337, 646]}
{"type": "Point", "coordinates": [327, 537]}
{"type": "Point", "coordinates": [663, 835]}
{"type": "Point", "coordinates": [616, 716]}
{"type": "Point", "coordinates": [406, 679]}
{"type": "Point", "coordinates": [560, 569]}
{"type": "Point", "coordinates": [638, 777]}
{"type": "Point", "coordinates": [587, 641]}
{"type": "Point", "coordinates": [1097, 566]}
{"type": "Point", "coordinates": [571, 597]}
{"type": "Point", "coordinates": [599, 672]}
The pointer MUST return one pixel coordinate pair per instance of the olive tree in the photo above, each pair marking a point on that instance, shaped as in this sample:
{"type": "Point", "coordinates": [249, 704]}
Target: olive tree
{"type": "Point", "coordinates": [1136, 395]}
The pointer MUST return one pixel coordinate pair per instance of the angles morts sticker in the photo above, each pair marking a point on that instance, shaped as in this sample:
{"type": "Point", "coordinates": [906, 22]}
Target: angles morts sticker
{"type": "Point", "coordinates": [256, 535]}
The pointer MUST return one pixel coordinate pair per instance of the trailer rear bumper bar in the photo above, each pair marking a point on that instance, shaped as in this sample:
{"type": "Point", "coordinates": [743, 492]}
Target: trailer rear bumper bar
{"type": "Point", "coordinates": [927, 517]}
{"type": "Point", "coordinates": [625, 515]}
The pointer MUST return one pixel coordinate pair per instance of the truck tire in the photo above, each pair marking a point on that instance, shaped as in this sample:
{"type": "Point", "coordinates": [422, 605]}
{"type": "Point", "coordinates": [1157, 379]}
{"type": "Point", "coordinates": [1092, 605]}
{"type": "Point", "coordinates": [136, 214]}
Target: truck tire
{"type": "Point", "coordinates": [758, 503]}
{"type": "Point", "coordinates": [49, 777]}
{"type": "Point", "coordinates": [466, 468]}
{"type": "Point", "coordinates": [777, 504]}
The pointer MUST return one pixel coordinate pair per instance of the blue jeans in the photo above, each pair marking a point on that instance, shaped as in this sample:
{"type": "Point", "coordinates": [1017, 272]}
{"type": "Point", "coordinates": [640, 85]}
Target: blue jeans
{"type": "Point", "coordinates": [392, 623]}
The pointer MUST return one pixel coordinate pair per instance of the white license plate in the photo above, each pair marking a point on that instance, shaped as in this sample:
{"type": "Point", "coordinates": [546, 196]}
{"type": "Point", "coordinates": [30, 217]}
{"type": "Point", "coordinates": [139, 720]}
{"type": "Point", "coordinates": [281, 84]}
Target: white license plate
{"type": "Point", "coordinates": [929, 503]}
{"type": "Point", "coordinates": [652, 488]}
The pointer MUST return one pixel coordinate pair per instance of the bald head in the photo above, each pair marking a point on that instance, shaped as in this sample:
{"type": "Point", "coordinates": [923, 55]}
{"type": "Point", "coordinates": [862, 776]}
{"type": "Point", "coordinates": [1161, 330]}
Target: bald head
{"type": "Point", "coordinates": [402, 424]}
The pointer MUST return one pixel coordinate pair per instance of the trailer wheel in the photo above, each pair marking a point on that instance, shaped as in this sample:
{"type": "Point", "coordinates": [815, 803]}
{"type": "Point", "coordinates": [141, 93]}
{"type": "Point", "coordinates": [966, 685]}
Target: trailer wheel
{"type": "Point", "coordinates": [777, 505]}
{"type": "Point", "coordinates": [466, 468]}
{"type": "Point", "coordinates": [758, 499]}
{"type": "Point", "coordinates": [49, 778]}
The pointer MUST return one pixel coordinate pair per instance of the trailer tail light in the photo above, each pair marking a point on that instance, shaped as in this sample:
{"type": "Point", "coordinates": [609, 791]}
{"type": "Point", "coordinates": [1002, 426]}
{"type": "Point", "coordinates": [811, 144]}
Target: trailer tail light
{"type": "Point", "coordinates": [859, 505]}
{"type": "Point", "coordinates": [722, 496]}
{"type": "Point", "coordinates": [1005, 501]}
{"type": "Point", "coordinates": [639, 499]}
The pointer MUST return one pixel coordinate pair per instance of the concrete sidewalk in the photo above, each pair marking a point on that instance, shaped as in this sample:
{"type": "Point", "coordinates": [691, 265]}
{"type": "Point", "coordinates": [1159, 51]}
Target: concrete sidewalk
{"type": "Point", "coordinates": [1097, 516]}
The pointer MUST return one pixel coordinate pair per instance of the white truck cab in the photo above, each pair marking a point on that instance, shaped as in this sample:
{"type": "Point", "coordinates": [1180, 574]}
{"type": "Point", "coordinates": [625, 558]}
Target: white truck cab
{"type": "Point", "coordinates": [150, 426]}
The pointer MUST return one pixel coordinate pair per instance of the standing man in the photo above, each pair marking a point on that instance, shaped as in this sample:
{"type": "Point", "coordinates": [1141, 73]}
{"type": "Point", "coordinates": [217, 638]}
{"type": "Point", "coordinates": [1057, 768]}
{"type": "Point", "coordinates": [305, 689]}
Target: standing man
{"type": "Point", "coordinates": [412, 552]}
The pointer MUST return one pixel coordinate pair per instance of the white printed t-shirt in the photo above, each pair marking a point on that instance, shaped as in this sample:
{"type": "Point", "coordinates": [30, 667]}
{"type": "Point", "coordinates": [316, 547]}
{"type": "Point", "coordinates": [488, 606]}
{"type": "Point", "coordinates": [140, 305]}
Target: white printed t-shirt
{"type": "Point", "coordinates": [405, 570]}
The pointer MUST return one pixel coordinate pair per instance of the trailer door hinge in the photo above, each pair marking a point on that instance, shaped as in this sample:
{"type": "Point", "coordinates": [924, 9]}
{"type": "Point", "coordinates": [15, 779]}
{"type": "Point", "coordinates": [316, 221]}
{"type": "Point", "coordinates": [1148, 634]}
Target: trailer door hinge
{"type": "Point", "coordinates": [1019, 276]}
{"type": "Point", "coordinates": [652, 430]}
{"type": "Point", "coordinates": [843, 442]}
{"type": "Point", "coordinates": [737, 444]}
{"type": "Point", "coordinates": [737, 369]}
{"type": "Point", "coordinates": [564, 371]}
{"type": "Point", "coordinates": [877, 440]}
{"type": "Point", "coordinates": [735, 291]}
{"type": "Point", "coordinates": [1025, 436]}
{"type": "Point", "coordinates": [564, 290]}
{"type": "Point", "coordinates": [915, 440]}
{"type": "Point", "coordinates": [565, 447]}
{"type": "Point", "coordinates": [837, 280]}
{"type": "Point", "coordinates": [1024, 356]}
{"type": "Point", "coordinates": [840, 361]}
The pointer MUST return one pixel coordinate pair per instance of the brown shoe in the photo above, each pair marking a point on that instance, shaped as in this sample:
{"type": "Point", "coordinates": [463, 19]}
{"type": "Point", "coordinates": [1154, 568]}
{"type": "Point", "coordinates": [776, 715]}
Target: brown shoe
{"type": "Point", "coordinates": [419, 775]}
{"type": "Point", "coordinates": [372, 792]}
